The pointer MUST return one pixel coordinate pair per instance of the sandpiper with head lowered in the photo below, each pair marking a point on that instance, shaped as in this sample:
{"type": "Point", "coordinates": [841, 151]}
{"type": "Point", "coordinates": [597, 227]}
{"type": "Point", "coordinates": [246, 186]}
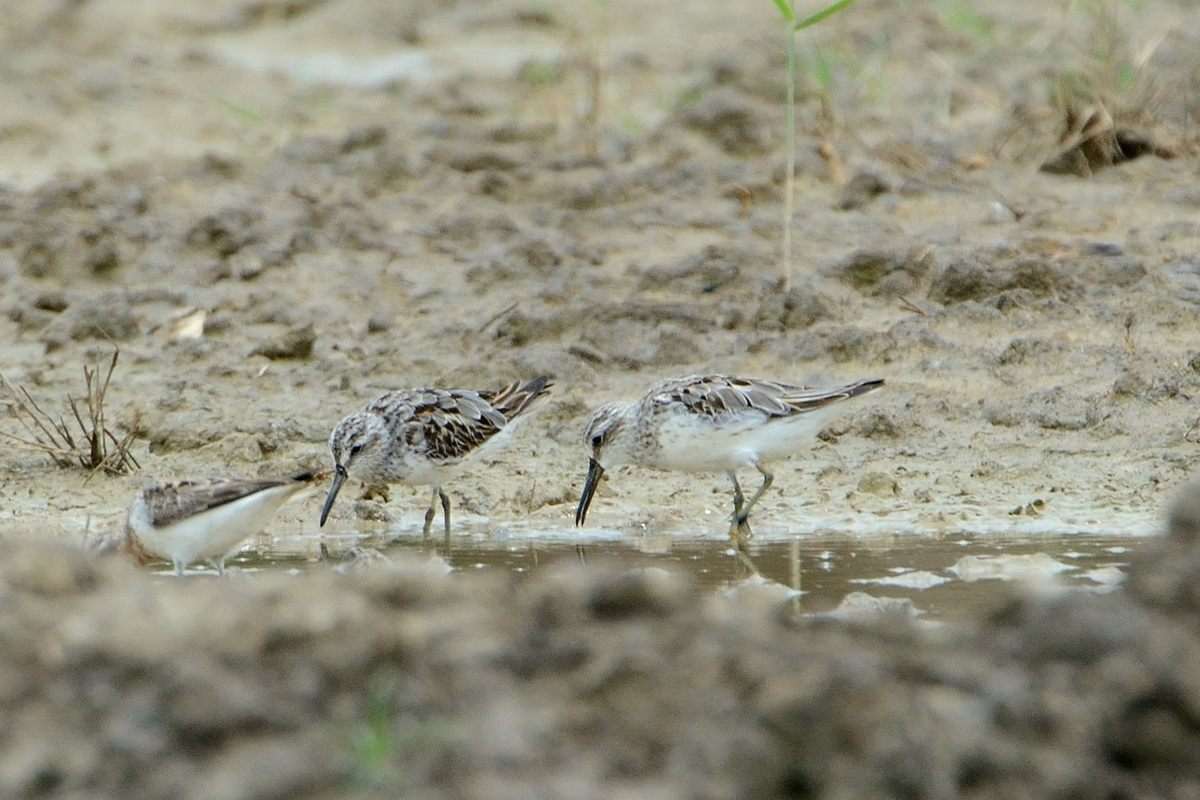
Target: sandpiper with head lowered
{"type": "Point", "coordinates": [711, 423]}
{"type": "Point", "coordinates": [204, 520]}
{"type": "Point", "coordinates": [421, 436]}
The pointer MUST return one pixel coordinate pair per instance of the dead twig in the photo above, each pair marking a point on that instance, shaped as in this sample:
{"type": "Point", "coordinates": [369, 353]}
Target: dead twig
{"type": "Point", "coordinates": [909, 305]}
{"type": "Point", "coordinates": [504, 312]}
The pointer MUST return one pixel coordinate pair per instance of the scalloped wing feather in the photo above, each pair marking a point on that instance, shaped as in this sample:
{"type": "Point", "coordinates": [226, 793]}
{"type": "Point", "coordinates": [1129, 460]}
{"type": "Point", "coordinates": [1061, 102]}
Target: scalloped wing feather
{"type": "Point", "coordinates": [719, 396]}
{"type": "Point", "coordinates": [454, 422]}
{"type": "Point", "coordinates": [170, 502]}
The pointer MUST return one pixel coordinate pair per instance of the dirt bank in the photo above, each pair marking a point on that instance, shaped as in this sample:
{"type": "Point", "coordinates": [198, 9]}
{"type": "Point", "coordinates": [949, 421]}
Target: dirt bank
{"type": "Point", "coordinates": [579, 683]}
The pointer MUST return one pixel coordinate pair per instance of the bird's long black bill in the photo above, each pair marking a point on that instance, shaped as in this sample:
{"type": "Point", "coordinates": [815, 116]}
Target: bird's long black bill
{"type": "Point", "coordinates": [595, 473]}
{"type": "Point", "coordinates": [339, 477]}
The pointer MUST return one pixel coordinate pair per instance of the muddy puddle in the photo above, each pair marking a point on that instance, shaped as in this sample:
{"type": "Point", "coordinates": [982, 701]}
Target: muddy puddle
{"type": "Point", "coordinates": [958, 578]}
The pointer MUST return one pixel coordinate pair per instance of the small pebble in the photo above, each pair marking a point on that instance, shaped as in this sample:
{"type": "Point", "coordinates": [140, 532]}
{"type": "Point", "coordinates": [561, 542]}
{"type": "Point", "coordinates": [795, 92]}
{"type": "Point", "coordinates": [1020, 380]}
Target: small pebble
{"type": "Point", "coordinates": [860, 190]}
{"type": "Point", "coordinates": [879, 483]}
{"type": "Point", "coordinates": [51, 301]}
{"type": "Point", "coordinates": [999, 214]}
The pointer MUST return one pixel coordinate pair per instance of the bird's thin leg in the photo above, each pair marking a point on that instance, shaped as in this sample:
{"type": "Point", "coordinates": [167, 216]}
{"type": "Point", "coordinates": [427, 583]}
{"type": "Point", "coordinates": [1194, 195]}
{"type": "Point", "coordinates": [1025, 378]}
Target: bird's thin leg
{"type": "Point", "coordinates": [178, 569]}
{"type": "Point", "coordinates": [430, 512]}
{"type": "Point", "coordinates": [743, 555]}
{"type": "Point", "coordinates": [768, 479]}
{"type": "Point", "coordinates": [445, 509]}
{"type": "Point", "coordinates": [219, 563]}
{"type": "Point", "coordinates": [739, 500]}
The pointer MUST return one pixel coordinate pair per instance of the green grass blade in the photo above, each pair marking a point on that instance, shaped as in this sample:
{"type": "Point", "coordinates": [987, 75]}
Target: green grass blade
{"type": "Point", "coordinates": [823, 14]}
{"type": "Point", "coordinates": [245, 112]}
{"type": "Point", "coordinates": [785, 8]}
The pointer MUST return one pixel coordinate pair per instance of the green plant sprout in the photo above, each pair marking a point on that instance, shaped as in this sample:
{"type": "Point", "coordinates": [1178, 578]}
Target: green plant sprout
{"type": "Point", "coordinates": [961, 17]}
{"type": "Point", "coordinates": [374, 744]}
{"type": "Point", "coordinates": [787, 10]}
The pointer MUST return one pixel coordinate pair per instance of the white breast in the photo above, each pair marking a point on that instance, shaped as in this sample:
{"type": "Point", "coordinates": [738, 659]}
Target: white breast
{"type": "Point", "coordinates": [695, 444]}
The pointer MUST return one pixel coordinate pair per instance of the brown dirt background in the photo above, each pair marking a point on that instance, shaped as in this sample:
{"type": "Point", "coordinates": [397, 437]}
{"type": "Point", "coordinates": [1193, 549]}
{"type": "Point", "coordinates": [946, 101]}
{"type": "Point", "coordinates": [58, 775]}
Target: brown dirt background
{"type": "Point", "coordinates": [606, 177]}
{"type": "Point", "coordinates": [160, 160]}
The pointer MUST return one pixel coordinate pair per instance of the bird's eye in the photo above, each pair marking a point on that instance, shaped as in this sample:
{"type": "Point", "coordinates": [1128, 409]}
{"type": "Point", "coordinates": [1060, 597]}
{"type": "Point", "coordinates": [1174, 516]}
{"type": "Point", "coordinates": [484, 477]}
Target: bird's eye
{"type": "Point", "coordinates": [597, 440]}
{"type": "Point", "coordinates": [355, 450]}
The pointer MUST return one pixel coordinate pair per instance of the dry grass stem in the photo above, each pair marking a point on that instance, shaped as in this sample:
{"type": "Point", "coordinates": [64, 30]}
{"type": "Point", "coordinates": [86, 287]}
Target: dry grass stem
{"type": "Point", "coordinates": [909, 305]}
{"type": "Point", "coordinates": [90, 443]}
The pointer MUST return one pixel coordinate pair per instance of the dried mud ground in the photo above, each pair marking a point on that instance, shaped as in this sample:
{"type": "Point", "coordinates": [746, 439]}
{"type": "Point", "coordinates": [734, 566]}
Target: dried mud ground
{"type": "Point", "coordinates": [277, 210]}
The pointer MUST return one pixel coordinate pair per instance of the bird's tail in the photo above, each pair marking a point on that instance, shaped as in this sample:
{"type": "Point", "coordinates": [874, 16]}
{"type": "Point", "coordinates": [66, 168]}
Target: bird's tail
{"type": "Point", "coordinates": [804, 399]}
{"type": "Point", "coordinates": [517, 397]}
{"type": "Point", "coordinates": [862, 387]}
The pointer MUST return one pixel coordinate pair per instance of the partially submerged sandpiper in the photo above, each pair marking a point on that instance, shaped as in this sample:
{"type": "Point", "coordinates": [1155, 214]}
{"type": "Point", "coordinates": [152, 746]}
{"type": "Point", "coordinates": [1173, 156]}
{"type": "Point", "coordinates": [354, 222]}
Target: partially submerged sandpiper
{"type": "Point", "coordinates": [712, 423]}
{"type": "Point", "coordinates": [190, 521]}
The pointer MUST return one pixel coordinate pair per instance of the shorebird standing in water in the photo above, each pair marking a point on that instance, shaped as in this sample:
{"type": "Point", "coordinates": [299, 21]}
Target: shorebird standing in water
{"type": "Point", "coordinates": [712, 423]}
{"type": "Point", "coordinates": [193, 520]}
{"type": "Point", "coordinates": [421, 436]}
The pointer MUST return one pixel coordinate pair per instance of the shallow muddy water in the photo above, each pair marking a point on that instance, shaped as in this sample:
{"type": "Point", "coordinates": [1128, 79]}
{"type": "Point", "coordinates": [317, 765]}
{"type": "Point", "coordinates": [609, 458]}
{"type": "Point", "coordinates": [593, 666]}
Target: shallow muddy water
{"type": "Point", "coordinates": [954, 578]}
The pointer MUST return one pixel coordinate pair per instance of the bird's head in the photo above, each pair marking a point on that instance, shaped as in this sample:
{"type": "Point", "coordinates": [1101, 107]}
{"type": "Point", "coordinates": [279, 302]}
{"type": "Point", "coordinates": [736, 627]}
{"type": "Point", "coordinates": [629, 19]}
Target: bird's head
{"type": "Point", "coordinates": [359, 447]}
{"type": "Point", "coordinates": [607, 434]}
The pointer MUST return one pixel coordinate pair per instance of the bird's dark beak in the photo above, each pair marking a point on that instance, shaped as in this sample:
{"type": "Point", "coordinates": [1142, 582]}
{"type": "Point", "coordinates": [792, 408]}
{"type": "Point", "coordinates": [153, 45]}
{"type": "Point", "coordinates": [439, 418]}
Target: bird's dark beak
{"type": "Point", "coordinates": [595, 473]}
{"type": "Point", "coordinates": [339, 476]}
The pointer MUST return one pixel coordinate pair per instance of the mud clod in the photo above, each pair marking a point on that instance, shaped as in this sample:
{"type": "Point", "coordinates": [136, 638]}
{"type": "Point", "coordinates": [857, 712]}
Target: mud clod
{"type": "Point", "coordinates": [860, 190]}
{"type": "Point", "coordinates": [852, 343]}
{"type": "Point", "coordinates": [473, 159]}
{"type": "Point", "coordinates": [800, 307]}
{"type": "Point", "coordinates": [878, 483]}
{"type": "Point", "coordinates": [53, 301]}
{"type": "Point", "coordinates": [1051, 409]}
{"type": "Point", "coordinates": [965, 280]}
{"type": "Point", "coordinates": [729, 120]}
{"type": "Point", "coordinates": [1027, 349]}
{"type": "Point", "coordinates": [1184, 278]}
{"type": "Point", "coordinates": [295, 343]}
{"type": "Point", "coordinates": [710, 270]}
{"type": "Point", "coordinates": [877, 425]}
{"type": "Point", "coordinates": [372, 511]}
{"type": "Point", "coordinates": [106, 317]}
{"type": "Point", "coordinates": [879, 272]}
{"type": "Point", "coordinates": [225, 232]}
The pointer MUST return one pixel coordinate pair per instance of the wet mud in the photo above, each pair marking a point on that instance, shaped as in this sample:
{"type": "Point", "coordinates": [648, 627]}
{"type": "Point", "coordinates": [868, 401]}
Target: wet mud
{"type": "Point", "coordinates": [302, 245]}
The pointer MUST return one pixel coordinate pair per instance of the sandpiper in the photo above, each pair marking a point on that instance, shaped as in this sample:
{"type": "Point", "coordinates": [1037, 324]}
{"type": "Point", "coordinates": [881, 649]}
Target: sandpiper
{"type": "Point", "coordinates": [420, 436]}
{"type": "Point", "coordinates": [711, 423]}
{"type": "Point", "coordinates": [192, 520]}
